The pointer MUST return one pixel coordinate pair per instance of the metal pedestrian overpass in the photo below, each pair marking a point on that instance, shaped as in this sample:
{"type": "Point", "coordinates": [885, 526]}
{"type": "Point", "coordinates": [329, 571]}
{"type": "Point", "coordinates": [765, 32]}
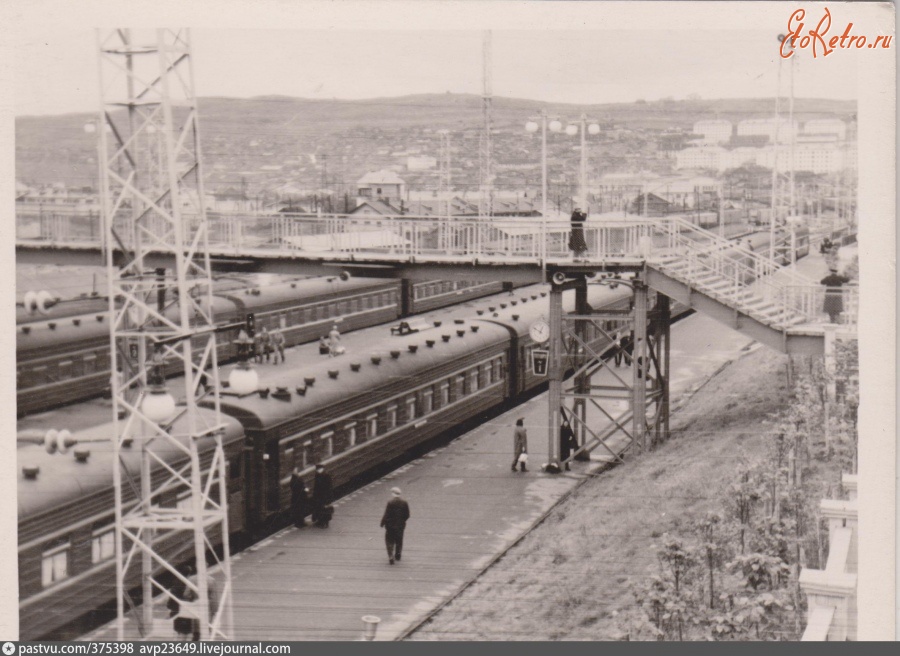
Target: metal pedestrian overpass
{"type": "Point", "coordinates": [745, 290]}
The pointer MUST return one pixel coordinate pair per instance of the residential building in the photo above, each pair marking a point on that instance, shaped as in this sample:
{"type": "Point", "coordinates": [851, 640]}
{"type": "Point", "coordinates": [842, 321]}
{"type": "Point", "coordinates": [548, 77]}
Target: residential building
{"type": "Point", "coordinates": [832, 126]}
{"type": "Point", "coordinates": [380, 185]}
{"type": "Point", "coordinates": [713, 132]}
{"type": "Point", "coordinates": [780, 129]}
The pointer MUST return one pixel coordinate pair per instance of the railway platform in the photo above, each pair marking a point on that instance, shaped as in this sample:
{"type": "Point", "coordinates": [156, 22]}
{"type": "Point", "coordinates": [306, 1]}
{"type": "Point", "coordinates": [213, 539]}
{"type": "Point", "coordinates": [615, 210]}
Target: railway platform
{"type": "Point", "coordinates": [467, 509]}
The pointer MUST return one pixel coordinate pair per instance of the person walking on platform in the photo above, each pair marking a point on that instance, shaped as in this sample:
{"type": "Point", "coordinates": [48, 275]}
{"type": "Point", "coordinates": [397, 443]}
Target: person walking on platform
{"type": "Point", "coordinates": [182, 608]}
{"type": "Point", "coordinates": [257, 347]}
{"type": "Point", "coordinates": [322, 498]}
{"type": "Point", "coordinates": [834, 303]}
{"type": "Point", "coordinates": [520, 444]}
{"type": "Point", "coordinates": [619, 350]}
{"type": "Point", "coordinates": [266, 340]}
{"type": "Point", "coordinates": [299, 499]}
{"type": "Point", "coordinates": [576, 237]}
{"type": "Point", "coordinates": [394, 524]}
{"type": "Point", "coordinates": [278, 346]}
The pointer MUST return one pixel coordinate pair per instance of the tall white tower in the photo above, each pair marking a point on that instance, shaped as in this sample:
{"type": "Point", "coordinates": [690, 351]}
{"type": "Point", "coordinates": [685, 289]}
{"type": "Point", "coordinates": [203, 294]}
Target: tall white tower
{"type": "Point", "coordinates": [151, 196]}
{"type": "Point", "coordinates": [486, 204]}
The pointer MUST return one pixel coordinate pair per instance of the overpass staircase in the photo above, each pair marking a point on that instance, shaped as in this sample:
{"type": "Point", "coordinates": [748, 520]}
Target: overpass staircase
{"type": "Point", "coordinates": [750, 293]}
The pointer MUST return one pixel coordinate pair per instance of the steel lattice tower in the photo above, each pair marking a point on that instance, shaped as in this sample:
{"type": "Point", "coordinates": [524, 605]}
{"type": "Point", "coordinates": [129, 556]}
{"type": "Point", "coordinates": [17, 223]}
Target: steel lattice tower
{"type": "Point", "coordinates": [783, 196]}
{"type": "Point", "coordinates": [151, 197]}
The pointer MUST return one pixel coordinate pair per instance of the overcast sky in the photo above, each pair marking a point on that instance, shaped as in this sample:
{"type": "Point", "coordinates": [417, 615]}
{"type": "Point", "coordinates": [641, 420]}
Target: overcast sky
{"type": "Point", "coordinates": [724, 53]}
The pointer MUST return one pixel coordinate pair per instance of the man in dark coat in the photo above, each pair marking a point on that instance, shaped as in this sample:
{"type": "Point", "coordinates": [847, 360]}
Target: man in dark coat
{"type": "Point", "coordinates": [299, 499]}
{"type": "Point", "coordinates": [322, 498]}
{"type": "Point", "coordinates": [394, 523]}
{"type": "Point", "coordinates": [520, 444]}
{"type": "Point", "coordinates": [567, 443]}
{"type": "Point", "coordinates": [834, 303]}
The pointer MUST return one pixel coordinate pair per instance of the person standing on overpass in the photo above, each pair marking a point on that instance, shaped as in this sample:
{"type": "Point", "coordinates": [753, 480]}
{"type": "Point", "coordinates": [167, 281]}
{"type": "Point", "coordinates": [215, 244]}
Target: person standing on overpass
{"type": "Point", "coordinates": [834, 302]}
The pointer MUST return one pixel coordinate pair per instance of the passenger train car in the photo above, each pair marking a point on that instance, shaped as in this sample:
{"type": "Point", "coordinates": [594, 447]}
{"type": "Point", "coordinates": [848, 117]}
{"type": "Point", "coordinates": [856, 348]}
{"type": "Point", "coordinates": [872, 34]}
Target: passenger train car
{"type": "Point", "coordinates": [66, 524]}
{"type": "Point", "coordinates": [63, 359]}
{"type": "Point", "coordinates": [352, 414]}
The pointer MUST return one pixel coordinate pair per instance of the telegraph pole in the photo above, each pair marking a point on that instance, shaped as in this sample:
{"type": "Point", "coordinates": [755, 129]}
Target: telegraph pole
{"type": "Point", "coordinates": [160, 317]}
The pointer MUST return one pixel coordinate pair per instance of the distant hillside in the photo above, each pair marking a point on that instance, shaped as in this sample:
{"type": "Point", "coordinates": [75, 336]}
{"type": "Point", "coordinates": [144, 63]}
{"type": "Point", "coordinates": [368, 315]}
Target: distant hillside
{"type": "Point", "coordinates": [240, 135]}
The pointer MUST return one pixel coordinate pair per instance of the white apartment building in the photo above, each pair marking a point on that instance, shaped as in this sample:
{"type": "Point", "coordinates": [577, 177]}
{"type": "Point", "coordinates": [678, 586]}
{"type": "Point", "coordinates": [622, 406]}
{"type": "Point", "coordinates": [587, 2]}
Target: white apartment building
{"type": "Point", "coordinates": [831, 126]}
{"type": "Point", "coordinates": [714, 131]}
{"type": "Point", "coordinates": [701, 157]}
{"type": "Point", "coordinates": [817, 157]}
{"type": "Point", "coordinates": [782, 129]}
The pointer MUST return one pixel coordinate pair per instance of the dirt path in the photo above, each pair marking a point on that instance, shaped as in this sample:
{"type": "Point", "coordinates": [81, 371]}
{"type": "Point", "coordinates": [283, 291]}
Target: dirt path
{"type": "Point", "coordinates": [572, 577]}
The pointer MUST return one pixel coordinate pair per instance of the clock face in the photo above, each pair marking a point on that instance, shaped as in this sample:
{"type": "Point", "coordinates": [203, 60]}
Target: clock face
{"type": "Point", "coordinates": [540, 331]}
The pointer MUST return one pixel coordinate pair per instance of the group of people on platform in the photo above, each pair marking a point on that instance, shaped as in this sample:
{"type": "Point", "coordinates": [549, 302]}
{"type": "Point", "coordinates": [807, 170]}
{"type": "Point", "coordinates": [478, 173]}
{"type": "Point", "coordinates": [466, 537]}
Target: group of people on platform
{"type": "Point", "coordinates": [568, 445]}
{"type": "Point", "coordinates": [183, 607]}
{"type": "Point", "coordinates": [262, 346]}
{"type": "Point", "coordinates": [319, 505]}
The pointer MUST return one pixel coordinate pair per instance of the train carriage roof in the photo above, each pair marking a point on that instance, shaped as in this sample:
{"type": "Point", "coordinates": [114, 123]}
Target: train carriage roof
{"type": "Point", "coordinates": [62, 479]}
{"type": "Point", "coordinates": [94, 326]}
{"type": "Point", "coordinates": [264, 413]}
{"type": "Point", "coordinates": [312, 288]}
{"type": "Point", "coordinates": [533, 309]}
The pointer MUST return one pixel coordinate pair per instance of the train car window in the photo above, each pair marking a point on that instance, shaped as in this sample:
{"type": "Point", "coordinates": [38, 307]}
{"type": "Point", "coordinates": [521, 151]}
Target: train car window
{"type": "Point", "coordinates": [427, 401]}
{"type": "Point", "coordinates": [40, 375]}
{"type": "Point", "coordinates": [328, 444]}
{"type": "Point", "coordinates": [351, 434]}
{"type": "Point", "coordinates": [445, 394]}
{"type": "Point", "coordinates": [460, 385]}
{"type": "Point", "coordinates": [63, 370]}
{"type": "Point", "coordinates": [372, 425]}
{"type": "Point", "coordinates": [411, 408]}
{"type": "Point", "coordinates": [282, 320]}
{"type": "Point", "coordinates": [55, 563]}
{"type": "Point", "coordinates": [487, 374]}
{"type": "Point", "coordinates": [392, 417]}
{"type": "Point", "coordinates": [289, 458]}
{"type": "Point", "coordinates": [473, 381]}
{"type": "Point", "coordinates": [103, 544]}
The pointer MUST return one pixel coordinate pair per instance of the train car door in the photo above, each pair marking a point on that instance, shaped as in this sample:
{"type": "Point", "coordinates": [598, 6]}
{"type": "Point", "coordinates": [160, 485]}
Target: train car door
{"type": "Point", "coordinates": [272, 483]}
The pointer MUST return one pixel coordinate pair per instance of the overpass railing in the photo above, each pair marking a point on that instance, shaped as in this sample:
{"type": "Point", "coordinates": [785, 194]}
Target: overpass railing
{"type": "Point", "coordinates": [496, 240]}
{"type": "Point", "coordinates": [492, 238]}
{"type": "Point", "coordinates": [703, 255]}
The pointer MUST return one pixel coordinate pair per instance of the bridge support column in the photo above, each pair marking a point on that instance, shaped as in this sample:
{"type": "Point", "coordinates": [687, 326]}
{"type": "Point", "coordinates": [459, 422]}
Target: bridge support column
{"type": "Point", "coordinates": [556, 373]}
{"type": "Point", "coordinates": [638, 367]}
{"type": "Point", "coordinates": [582, 380]}
{"type": "Point", "coordinates": [406, 297]}
{"type": "Point", "coordinates": [658, 347]}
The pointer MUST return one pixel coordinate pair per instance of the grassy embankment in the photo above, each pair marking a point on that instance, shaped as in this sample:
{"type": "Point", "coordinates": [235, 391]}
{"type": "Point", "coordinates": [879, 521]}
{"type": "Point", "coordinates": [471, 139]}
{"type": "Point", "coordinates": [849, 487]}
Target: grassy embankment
{"type": "Point", "coordinates": [573, 577]}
